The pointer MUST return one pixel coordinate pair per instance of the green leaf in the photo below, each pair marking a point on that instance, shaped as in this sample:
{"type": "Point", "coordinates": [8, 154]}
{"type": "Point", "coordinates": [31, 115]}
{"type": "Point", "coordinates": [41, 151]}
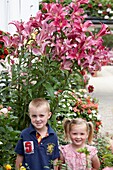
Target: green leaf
{"type": "Point", "coordinates": [49, 88]}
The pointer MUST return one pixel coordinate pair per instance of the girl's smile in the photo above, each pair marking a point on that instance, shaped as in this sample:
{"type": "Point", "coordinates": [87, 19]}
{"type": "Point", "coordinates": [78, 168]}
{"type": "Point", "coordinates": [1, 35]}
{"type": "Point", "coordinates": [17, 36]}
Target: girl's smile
{"type": "Point", "coordinates": [78, 135]}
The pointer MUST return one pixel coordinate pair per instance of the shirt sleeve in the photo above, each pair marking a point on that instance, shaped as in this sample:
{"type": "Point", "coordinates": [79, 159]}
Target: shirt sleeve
{"type": "Point", "coordinates": [93, 151]}
{"type": "Point", "coordinates": [56, 150]}
{"type": "Point", "coordinates": [19, 149]}
{"type": "Point", "coordinates": [62, 150]}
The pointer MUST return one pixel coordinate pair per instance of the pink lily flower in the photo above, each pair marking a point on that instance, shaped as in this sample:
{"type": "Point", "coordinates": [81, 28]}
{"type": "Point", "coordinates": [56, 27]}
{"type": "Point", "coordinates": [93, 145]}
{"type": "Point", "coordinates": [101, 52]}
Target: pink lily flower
{"type": "Point", "coordinates": [103, 31]}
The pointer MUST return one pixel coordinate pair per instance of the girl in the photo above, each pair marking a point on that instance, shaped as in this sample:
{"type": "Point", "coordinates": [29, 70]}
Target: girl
{"type": "Point", "coordinates": [78, 155]}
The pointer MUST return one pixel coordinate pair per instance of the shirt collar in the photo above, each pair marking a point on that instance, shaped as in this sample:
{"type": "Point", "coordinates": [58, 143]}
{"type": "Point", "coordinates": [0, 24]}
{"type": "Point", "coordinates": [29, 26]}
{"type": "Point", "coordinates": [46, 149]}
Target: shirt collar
{"type": "Point", "coordinates": [50, 130]}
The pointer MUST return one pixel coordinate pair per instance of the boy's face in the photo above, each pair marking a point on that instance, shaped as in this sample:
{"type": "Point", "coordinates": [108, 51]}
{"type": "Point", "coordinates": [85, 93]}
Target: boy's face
{"type": "Point", "coordinates": [39, 117]}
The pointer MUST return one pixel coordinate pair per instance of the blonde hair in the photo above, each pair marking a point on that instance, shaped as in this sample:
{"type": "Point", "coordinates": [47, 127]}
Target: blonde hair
{"type": "Point", "coordinates": [78, 121]}
{"type": "Point", "coordinates": [39, 102]}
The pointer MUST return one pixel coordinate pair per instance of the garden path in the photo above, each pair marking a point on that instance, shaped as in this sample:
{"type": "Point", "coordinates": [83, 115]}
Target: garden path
{"type": "Point", "coordinates": [103, 91]}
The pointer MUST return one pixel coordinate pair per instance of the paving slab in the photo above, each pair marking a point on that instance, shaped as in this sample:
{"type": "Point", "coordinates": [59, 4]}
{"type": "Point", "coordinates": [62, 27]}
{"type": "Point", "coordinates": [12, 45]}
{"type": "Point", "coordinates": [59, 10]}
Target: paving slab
{"type": "Point", "coordinates": [103, 91]}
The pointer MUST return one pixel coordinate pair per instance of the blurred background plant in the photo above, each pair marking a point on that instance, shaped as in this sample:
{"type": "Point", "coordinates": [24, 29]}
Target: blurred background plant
{"type": "Point", "coordinates": [101, 9]}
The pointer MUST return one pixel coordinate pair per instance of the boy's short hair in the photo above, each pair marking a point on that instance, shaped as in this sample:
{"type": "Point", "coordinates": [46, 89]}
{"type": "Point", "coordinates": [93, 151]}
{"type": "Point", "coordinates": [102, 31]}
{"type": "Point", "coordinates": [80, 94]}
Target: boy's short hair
{"type": "Point", "coordinates": [39, 102]}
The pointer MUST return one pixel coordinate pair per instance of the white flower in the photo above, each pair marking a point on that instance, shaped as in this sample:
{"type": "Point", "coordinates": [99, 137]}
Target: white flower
{"type": "Point", "coordinates": [106, 17]}
{"type": "Point", "coordinates": [99, 12]}
{"type": "Point", "coordinates": [70, 85]}
{"type": "Point", "coordinates": [2, 84]}
{"type": "Point", "coordinates": [65, 96]}
{"type": "Point", "coordinates": [68, 104]}
{"type": "Point", "coordinates": [108, 9]}
{"type": "Point", "coordinates": [64, 106]}
{"type": "Point", "coordinates": [4, 110]}
{"type": "Point", "coordinates": [59, 122]}
{"type": "Point", "coordinates": [90, 116]}
{"type": "Point", "coordinates": [85, 96]}
{"type": "Point", "coordinates": [70, 108]}
{"type": "Point", "coordinates": [1, 143]}
{"type": "Point", "coordinates": [77, 93]}
{"type": "Point", "coordinates": [63, 100]}
{"type": "Point", "coordinates": [93, 111]}
{"type": "Point", "coordinates": [74, 114]}
{"type": "Point", "coordinates": [83, 90]}
{"type": "Point", "coordinates": [111, 12]}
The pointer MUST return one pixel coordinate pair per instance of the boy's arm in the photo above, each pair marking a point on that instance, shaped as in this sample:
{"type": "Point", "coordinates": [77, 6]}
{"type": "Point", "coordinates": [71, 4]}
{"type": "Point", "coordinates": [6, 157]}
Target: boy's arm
{"type": "Point", "coordinates": [19, 160]}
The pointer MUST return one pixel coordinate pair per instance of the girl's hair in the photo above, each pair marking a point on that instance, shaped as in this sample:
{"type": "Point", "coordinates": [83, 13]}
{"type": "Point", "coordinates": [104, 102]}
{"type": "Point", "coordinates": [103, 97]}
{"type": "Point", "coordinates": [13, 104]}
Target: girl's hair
{"type": "Point", "coordinates": [39, 102]}
{"type": "Point", "coordinates": [78, 121]}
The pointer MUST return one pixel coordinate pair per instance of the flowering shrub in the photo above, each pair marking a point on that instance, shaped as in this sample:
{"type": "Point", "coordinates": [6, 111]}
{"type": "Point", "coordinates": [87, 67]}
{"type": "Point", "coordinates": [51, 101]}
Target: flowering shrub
{"type": "Point", "coordinates": [58, 37]}
{"type": "Point", "coordinates": [8, 167]}
{"type": "Point", "coordinates": [78, 104]}
{"type": "Point", "coordinates": [8, 136]}
{"type": "Point", "coordinates": [100, 8]}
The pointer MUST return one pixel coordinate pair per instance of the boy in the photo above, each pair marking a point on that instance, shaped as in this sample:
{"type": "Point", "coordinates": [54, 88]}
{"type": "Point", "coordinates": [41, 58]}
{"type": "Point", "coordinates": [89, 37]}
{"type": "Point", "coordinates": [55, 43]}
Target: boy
{"type": "Point", "coordinates": [38, 147]}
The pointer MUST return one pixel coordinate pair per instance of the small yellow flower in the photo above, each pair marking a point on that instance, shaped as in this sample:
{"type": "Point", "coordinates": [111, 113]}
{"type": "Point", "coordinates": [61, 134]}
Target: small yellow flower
{"type": "Point", "coordinates": [8, 167]}
{"type": "Point", "coordinates": [22, 168]}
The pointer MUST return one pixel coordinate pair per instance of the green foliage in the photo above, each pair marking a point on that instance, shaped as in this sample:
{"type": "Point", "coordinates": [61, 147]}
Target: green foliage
{"type": "Point", "coordinates": [107, 41]}
{"type": "Point", "coordinates": [34, 77]}
{"type": "Point", "coordinates": [8, 138]}
{"type": "Point", "coordinates": [104, 151]}
{"type": "Point", "coordinates": [83, 150]}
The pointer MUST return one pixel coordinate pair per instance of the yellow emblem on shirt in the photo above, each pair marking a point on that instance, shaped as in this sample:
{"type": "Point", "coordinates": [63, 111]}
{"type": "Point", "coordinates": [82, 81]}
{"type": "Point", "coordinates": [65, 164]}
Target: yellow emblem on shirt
{"type": "Point", "coordinates": [50, 148]}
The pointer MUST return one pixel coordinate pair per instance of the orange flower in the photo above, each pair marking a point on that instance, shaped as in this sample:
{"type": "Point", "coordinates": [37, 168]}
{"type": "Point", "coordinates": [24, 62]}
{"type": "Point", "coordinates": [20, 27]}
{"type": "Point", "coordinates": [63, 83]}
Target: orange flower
{"type": "Point", "coordinates": [89, 111]}
{"type": "Point", "coordinates": [98, 123]}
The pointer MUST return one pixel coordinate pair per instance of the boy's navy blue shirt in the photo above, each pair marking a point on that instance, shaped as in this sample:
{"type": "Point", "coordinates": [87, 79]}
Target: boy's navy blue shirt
{"type": "Point", "coordinates": [37, 156]}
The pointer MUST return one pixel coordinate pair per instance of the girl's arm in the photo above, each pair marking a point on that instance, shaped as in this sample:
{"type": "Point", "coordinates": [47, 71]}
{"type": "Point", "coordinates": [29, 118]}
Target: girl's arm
{"type": "Point", "coordinates": [95, 163]}
{"type": "Point", "coordinates": [19, 160]}
{"type": "Point", "coordinates": [56, 164]}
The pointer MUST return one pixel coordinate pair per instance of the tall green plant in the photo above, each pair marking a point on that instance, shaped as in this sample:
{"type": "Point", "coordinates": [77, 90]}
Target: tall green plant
{"type": "Point", "coordinates": [38, 79]}
{"type": "Point", "coordinates": [48, 53]}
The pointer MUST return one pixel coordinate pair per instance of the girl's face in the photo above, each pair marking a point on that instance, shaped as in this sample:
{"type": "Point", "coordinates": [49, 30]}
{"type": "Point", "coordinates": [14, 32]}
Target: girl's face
{"type": "Point", "coordinates": [78, 135]}
{"type": "Point", "coordinates": [39, 117]}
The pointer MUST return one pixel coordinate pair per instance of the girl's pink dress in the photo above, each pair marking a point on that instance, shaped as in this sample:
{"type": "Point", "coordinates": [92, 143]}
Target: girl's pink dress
{"type": "Point", "coordinates": [76, 160]}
